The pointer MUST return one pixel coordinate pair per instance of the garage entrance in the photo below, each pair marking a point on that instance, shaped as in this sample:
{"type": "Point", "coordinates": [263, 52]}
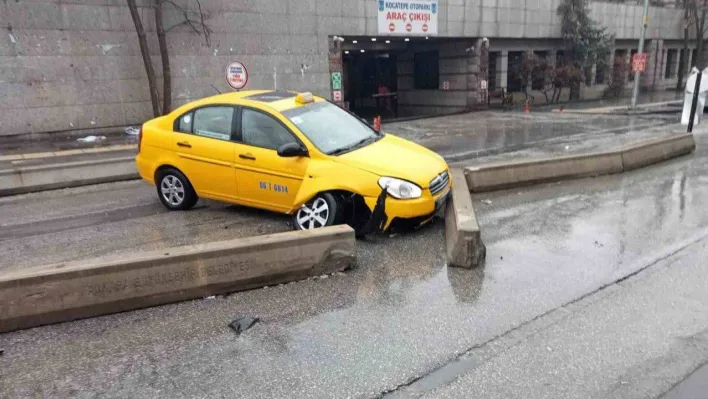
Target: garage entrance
{"type": "Point", "coordinates": [395, 77]}
{"type": "Point", "coordinates": [372, 83]}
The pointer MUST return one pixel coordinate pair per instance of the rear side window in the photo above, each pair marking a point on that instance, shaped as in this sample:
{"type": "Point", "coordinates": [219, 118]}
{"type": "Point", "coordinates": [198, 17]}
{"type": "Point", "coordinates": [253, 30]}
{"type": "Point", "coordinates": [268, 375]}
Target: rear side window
{"type": "Point", "coordinates": [213, 122]}
{"type": "Point", "coordinates": [184, 124]}
{"type": "Point", "coordinates": [261, 130]}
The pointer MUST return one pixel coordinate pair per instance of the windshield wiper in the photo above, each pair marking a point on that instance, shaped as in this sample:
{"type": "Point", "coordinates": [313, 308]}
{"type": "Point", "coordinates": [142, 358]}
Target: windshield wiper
{"type": "Point", "coordinates": [355, 145]}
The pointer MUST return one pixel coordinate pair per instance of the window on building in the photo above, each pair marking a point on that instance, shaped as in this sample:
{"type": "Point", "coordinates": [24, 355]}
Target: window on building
{"type": "Point", "coordinates": [671, 63]}
{"type": "Point", "coordinates": [261, 130]}
{"type": "Point", "coordinates": [513, 79]}
{"type": "Point", "coordinates": [426, 70]}
{"type": "Point", "coordinates": [600, 73]}
{"type": "Point", "coordinates": [682, 60]}
{"type": "Point", "coordinates": [492, 74]}
{"type": "Point", "coordinates": [560, 57]}
{"type": "Point", "coordinates": [631, 58]}
{"type": "Point", "coordinates": [694, 55]}
{"type": "Point", "coordinates": [538, 82]}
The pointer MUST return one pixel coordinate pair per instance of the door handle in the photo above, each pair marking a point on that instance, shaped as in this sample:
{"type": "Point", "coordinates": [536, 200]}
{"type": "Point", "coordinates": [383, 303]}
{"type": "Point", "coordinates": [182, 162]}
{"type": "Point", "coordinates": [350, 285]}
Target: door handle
{"type": "Point", "coordinates": [247, 156]}
{"type": "Point", "coordinates": [184, 144]}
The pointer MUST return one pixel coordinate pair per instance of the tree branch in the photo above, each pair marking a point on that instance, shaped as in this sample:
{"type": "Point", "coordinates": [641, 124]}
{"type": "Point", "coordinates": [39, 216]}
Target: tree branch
{"type": "Point", "coordinates": [191, 22]}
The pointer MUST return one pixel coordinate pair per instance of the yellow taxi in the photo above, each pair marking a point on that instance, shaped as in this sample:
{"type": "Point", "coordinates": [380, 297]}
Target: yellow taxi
{"type": "Point", "coordinates": [292, 153]}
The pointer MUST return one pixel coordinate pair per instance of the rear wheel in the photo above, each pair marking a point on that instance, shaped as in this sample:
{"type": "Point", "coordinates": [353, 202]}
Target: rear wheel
{"type": "Point", "coordinates": [320, 211]}
{"type": "Point", "coordinates": [175, 191]}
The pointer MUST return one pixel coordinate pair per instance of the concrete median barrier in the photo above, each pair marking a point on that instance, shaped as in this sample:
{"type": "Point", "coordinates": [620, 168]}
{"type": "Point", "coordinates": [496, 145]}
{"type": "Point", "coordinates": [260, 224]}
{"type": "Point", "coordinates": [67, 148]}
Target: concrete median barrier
{"type": "Point", "coordinates": [656, 151]}
{"type": "Point", "coordinates": [519, 173]}
{"type": "Point", "coordinates": [25, 179]}
{"type": "Point", "coordinates": [463, 237]}
{"type": "Point", "coordinates": [514, 174]}
{"type": "Point", "coordinates": [67, 291]}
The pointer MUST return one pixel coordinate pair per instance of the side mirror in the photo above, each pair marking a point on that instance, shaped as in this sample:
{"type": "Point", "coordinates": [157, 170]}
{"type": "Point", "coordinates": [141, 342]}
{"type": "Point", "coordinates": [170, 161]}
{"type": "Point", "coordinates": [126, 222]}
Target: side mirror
{"type": "Point", "coordinates": [291, 150]}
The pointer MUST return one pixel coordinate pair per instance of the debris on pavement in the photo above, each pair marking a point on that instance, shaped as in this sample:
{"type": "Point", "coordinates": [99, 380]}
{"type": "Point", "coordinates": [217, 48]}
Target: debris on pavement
{"type": "Point", "coordinates": [132, 131]}
{"type": "Point", "coordinates": [210, 297]}
{"type": "Point", "coordinates": [91, 139]}
{"type": "Point", "coordinates": [242, 324]}
{"type": "Point", "coordinates": [487, 202]}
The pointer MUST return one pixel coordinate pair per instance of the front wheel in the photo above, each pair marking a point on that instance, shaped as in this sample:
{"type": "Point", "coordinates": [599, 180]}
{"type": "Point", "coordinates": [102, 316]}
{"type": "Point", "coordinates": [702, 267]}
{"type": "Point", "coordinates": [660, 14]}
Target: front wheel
{"type": "Point", "coordinates": [319, 212]}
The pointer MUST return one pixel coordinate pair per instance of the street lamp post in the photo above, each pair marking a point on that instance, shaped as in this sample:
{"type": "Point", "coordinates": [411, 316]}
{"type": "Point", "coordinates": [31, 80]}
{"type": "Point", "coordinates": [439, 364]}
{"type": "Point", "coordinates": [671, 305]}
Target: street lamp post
{"type": "Point", "coordinates": [645, 22]}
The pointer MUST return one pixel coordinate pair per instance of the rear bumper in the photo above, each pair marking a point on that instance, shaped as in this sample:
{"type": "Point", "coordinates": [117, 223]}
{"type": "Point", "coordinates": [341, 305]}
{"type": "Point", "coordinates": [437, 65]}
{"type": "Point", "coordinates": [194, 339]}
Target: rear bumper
{"type": "Point", "coordinates": [145, 169]}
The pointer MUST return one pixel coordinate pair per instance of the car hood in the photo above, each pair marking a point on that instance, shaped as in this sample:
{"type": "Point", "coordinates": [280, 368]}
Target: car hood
{"type": "Point", "coordinates": [396, 157]}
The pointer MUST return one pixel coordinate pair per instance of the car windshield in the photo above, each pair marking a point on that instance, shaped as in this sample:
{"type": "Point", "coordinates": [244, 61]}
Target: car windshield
{"type": "Point", "coordinates": [331, 129]}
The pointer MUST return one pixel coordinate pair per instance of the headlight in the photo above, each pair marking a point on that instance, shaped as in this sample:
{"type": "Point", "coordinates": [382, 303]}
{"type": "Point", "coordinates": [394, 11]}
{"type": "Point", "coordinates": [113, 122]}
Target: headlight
{"type": "Point", "coordinates": [400, 189]}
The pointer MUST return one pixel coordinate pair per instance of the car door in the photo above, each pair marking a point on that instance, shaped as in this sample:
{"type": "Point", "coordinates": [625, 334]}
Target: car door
{"type": "Point", "coordinates": [203, 141]}
{"type": "Point", "coordinates": [265, 179]}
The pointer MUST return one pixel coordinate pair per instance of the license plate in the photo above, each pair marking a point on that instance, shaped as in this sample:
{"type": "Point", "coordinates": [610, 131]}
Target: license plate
{"type": "Point", "coordinates": [440, 202]}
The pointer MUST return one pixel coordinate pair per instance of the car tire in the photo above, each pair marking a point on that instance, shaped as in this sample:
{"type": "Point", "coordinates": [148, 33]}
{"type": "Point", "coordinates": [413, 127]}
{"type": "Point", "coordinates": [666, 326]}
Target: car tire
{"type": "Point", "coordinates": [320, 211]}
{"type": "Point", "coordinates": [174, 190]}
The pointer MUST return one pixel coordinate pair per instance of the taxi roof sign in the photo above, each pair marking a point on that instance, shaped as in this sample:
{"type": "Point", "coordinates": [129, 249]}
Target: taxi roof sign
{"type": "Point", "coordinates": [304, 98]}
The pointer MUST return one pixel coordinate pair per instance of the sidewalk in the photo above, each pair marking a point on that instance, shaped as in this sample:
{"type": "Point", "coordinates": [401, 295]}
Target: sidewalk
{"type": "Point", "coordinates": [587, 143]}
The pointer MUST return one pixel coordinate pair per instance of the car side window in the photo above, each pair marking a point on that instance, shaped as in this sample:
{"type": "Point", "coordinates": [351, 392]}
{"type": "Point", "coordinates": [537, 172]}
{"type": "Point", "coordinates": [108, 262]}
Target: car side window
{"type": "Point", "coordinates": [184, 124]}
{"type": "Point", "coordinates": [213, 122]}
{"type": "Point", "coordinates": [261, 130]}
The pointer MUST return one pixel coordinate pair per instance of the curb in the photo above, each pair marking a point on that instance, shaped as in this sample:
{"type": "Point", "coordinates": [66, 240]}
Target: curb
{"type": "Point", "coordinates": [56, 293]}
{"type": "Point", "coordinates": [26, 179]}
{"type": "Point", "coordinates": [514, 174]}
{"type": "Point", "coordinates": [63, 153]}
{"type": "Point", "coordinates": [463, 237]}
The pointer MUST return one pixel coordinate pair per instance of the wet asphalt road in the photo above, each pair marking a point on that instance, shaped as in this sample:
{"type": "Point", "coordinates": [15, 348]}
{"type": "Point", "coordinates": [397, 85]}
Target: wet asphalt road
{"type": "Point", "coordinates": [396, 318]}
{"type": "Point", "coordinates": [476, 134]}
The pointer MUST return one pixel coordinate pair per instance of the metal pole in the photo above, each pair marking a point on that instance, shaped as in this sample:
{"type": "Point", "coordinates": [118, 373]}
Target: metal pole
{"type": "Point", "coordinates": [694, 104]}
{"type": "Point", "coordinates": [645, 22]}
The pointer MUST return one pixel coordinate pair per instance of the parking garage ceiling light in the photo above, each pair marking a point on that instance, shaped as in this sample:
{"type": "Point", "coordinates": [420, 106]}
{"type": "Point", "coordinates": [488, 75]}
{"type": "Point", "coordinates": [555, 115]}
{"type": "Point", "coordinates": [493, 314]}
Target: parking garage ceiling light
{"type": "Point", "coordinates": [346, 51]}
{"type": "Point", "coordinates": [373, 39]}
{"type": "Point", "coordinates": [362, 50]}
{"type": "Point", "coordinates": [408, 40]}
{"type": "Point", "coordinates": [388, 41]}
{"type": "Point", "coordinates": [355, 41]}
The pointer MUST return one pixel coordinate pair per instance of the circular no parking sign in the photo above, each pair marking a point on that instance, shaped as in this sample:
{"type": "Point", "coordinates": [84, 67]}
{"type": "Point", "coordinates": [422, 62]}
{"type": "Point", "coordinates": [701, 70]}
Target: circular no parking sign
{"type": "Point", "coordinates": [236, 75]}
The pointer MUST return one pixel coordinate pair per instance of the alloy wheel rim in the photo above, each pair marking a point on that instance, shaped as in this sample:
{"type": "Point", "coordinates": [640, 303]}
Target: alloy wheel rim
{"type": "Point", "coordinates": [313, 215]}
{"type": "Point", "coordinates": [172, 190]}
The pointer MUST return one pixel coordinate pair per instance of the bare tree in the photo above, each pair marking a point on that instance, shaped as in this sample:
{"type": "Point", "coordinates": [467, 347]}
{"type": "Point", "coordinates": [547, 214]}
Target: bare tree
{"type": "Point", "coordinates": [697, 11]}
{"type": "Point", "coordinates": [195, 20]}
{"type": "Point", "coordinates": [145, 51]}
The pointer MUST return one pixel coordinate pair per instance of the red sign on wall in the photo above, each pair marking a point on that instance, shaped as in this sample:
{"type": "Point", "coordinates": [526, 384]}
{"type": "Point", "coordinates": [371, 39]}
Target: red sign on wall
{"type": "Point", "coordinates": [639, 62]}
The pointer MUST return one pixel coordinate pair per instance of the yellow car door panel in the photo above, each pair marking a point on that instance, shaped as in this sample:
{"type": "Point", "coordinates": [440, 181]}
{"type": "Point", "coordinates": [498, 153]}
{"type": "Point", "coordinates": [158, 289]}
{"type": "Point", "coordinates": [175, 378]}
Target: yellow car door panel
{"type": "Point", "coordinates": [265, 179]}
{"type": "Point", "coordinates": [205, 151]}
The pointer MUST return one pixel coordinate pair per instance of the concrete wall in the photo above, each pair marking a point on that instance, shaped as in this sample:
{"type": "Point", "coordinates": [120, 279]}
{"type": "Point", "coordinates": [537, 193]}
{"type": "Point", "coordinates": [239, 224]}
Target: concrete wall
{"type": "Point", "coordinates": [75, 64]}
{"type": "Point", "coordinates": [70, 65]}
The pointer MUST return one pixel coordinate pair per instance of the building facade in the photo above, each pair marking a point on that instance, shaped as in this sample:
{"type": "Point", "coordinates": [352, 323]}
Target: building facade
{"type": "Point", "coordinates": [75, 65]}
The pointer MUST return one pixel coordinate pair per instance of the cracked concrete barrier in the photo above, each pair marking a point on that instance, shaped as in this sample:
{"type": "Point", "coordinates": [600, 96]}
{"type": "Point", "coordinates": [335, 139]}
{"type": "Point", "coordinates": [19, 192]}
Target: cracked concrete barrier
{"type": "Point", "coordinates": [463, 237]}
{"type": "Point", "coordinates": [656, 151]}
{"type": "Point", "coordinates": [49, 294]}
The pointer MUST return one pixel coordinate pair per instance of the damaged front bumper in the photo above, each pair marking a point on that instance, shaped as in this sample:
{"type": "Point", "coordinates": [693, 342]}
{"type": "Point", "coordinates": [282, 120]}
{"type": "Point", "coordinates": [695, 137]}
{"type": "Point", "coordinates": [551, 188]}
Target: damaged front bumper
{"type": "Point", "coordinates": [389, 211]}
